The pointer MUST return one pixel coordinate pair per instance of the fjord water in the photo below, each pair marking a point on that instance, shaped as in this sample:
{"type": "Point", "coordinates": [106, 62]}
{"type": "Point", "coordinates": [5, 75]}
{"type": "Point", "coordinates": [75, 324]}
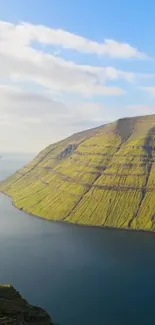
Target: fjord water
{"type": "Point", "coordinates": [80, 275]}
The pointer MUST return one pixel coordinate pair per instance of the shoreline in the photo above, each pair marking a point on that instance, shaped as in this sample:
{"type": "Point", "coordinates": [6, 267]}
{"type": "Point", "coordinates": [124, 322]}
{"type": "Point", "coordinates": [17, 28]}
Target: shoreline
{"type": "Point", "coordinates": [151, 232]}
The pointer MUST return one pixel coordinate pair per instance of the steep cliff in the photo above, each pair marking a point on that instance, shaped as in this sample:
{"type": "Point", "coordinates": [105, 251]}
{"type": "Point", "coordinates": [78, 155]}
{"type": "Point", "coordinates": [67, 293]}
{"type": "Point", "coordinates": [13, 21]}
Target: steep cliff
{"type": "Point", "coordinates": [104, 176]}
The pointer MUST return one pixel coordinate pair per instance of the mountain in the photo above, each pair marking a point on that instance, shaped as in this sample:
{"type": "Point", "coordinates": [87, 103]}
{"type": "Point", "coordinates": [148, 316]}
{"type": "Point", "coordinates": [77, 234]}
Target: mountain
{"type": "Point", "coordinates": [15, 310]}
{"type": "Point", "coordinates": [104, 177]}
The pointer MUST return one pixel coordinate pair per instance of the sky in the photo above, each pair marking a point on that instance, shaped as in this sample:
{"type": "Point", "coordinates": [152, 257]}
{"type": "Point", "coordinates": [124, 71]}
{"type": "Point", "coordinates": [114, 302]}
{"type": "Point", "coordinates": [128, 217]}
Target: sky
{"type": "Point", "coordinates": [66, 66]}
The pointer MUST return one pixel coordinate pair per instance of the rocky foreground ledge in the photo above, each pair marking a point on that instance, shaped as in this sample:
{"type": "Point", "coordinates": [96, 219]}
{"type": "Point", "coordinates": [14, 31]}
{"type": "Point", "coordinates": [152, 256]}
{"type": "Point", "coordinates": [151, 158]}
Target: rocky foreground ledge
{"type": "Point", "coordinates": [15, 310]}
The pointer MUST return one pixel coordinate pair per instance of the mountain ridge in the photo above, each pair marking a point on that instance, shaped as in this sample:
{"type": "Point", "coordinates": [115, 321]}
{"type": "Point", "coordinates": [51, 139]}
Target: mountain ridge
{"type": "Point", "coordinates": [103, 176]}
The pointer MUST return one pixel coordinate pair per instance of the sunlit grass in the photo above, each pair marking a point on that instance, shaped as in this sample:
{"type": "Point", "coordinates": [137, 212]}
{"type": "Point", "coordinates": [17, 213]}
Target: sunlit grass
{"type": "Point", "coordinates": [101, 178]}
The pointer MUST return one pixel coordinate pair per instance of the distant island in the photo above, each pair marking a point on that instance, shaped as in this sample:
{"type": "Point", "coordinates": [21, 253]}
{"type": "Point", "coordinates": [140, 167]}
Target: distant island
{"type": "Point", "coordinates": [15, 310]}
{"type": "Point", "coordinates": [103, 177]}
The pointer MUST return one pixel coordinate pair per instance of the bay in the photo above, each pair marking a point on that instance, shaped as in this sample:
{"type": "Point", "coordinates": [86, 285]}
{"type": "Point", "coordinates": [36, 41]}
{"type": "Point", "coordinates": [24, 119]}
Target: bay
{"type": "Point", "coordinates": [80, 275]}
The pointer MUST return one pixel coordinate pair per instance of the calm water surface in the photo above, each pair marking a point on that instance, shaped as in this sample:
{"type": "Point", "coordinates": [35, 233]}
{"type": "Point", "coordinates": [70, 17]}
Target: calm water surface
{"type": "Point", "coordinates": [81, 276]}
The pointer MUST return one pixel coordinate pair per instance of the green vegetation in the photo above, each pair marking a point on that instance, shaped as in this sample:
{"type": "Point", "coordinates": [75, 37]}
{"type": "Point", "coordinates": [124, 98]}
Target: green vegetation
{"type": "Point", "coordinates": [104, 176]}
{"type": "Point", "coordinates": [15, 310]}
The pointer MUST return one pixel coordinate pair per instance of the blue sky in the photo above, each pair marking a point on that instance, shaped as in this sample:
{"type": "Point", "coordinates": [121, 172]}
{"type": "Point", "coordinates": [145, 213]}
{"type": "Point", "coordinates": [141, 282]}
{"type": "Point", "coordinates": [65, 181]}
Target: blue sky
{"type": "Point", "coordinates": [131, 21]}
{"type": "Point", "coordinates": [59, 73]}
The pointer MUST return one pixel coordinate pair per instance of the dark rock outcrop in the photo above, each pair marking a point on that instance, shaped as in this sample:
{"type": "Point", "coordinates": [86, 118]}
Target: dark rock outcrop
{"type": "Point", "coordinates": [15, 310]}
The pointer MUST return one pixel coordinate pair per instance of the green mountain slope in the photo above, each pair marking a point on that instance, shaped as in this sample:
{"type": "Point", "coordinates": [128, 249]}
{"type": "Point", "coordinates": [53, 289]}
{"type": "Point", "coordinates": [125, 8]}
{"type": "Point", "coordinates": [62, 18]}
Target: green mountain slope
{"type": "Point", "coordinates": [104, 176]}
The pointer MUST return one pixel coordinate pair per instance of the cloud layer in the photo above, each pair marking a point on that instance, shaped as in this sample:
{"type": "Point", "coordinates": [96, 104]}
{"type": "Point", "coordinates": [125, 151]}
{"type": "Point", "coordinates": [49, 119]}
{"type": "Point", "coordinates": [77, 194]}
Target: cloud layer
{"type": "Point", "coordinates": [20, 61]}
{"type": "Point", "coordinates": [28, 33]}
{"type": "Point", "coordinates": [27, 115]}
{"type": "Point", "coordinates": [33, 78]}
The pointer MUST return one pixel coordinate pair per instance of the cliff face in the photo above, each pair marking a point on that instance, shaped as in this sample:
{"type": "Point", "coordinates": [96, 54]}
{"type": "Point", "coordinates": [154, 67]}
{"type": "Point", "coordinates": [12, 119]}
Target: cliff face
{"type": "Point", "coordinates": [104, 176]}
{"type": "Point", "coordinates": [15, 310]}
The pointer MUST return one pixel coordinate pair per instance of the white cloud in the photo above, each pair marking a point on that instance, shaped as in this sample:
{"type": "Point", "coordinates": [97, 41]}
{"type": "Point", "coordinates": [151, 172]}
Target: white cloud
{"type": "Point", "coordinates": [19, 61]}
{"type": "Point", "coordinates": [140, 109]}
{"type": "Point", "coordinates": [18, 103]}
{"type": "Point", "coordinates": [150, 90]}
{"type": "Point", "coordinates": [26, 33]}
{"type": "Point", "coordinates": [29, 121]}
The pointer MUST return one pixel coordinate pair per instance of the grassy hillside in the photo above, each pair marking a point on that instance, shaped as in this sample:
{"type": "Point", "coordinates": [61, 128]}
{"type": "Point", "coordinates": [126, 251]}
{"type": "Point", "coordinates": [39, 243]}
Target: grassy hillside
{"type": "Point", "coordinates": [104, 176]}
